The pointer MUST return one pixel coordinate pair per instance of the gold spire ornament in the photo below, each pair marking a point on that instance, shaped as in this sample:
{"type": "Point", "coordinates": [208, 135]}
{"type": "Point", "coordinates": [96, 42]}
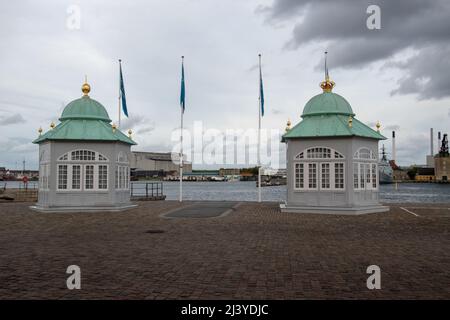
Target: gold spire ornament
{"type": "Point", "coordinates": [40, 131]}
{"type": "Point", "coordinates": [114, 127]}
{"type": "Point", "coordinates": [350, 121]}
{"type": "Point", "coordinates": [85, 88]}
{"type": "Point", "coordinates": [52, 125]}
{"type": "Point", "coordinates": [378, 125]}
{"type": "Point", "coordinates": [130, 132]}
{"type": "Point", "coordinates": [288, 125]}
{"type": "Point", "coordinates": [328, 84]}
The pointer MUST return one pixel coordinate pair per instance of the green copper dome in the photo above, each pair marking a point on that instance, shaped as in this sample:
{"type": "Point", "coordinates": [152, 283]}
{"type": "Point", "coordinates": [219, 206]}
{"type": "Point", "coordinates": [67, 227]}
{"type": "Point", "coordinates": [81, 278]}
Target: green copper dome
{"type": "Point", "coordinates": [327, 103]}
{"type": "Point", "coordinates": [85, 108]}
{"type": "Point", "coordinates": [84, 119]}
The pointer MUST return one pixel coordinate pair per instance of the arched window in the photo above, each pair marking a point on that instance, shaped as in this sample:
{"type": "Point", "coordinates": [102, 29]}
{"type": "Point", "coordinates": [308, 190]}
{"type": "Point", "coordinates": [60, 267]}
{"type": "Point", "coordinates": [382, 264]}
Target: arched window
{"type": "Point", "coordinates": [82, 170]}
{"type": "Point", "coordinates": [319, 168]}
{"type": "Point", "coordinates": [364, 154]}
{"type": "Point", "coordinates": [319, 153]}
{"type": "Point", "coordinates": [365, 170]}
{"type": "Point", "coordinates": [82, 155]}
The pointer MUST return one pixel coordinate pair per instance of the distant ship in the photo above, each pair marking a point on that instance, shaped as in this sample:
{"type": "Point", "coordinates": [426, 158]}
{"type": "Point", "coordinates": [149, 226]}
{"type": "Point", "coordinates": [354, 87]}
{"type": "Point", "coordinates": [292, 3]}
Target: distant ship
{"type": "Point", "coordinates": [385, 171]}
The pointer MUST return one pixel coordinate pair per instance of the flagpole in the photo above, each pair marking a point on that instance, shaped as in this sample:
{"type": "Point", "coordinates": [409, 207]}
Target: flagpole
{"type": "Point", "coordinates": [181, 140]}
{"type": "Point", "coordinates": [259, 134]}
{"type": "Point", "coordinates": [120, 62]}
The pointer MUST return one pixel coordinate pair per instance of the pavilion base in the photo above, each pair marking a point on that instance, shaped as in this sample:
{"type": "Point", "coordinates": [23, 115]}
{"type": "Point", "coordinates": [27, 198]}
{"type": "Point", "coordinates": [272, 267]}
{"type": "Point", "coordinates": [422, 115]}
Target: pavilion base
{"type": "Point", "coordinates": [117, 208]}
{"type": "Point", "coordinates": [334, 210]}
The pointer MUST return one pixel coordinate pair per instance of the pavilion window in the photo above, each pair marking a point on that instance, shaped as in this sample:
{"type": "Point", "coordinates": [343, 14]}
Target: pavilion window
{"type": "Point", "coordinates": [83, 155]}
{"type": "Point", "coordinates": [62, 176]}
{"type": "Point", "coordinates": [356, 175]}
{"type": "Point", "coordinates": [89, 177]}
{"type": "Point", "coordinates": [312, 175]}
{"type": "Point", "coordinates": [122, 178]}
{"type": "Point", "coordinates": [299, 175]}
{"type": "Point", "coordinates": [339, 175]}
{"type": "Point", "coordinates": [103, 177]}
{"type": "Point", "coordinates": [362, 178]}
{"type": "Point", "coordinates": [374, 176]}
{"type": "Point", "coordinates": [76, 177]}
{"type": "Point", "coordinates": [325, 175]}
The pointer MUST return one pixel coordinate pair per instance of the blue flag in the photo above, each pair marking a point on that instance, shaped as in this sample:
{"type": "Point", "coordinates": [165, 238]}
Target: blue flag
{"type": "Point", "coordinates": [122, 92]}
{"type": "Point", "coordinates": [261, 91]}
{"type": "Point", "coordinates": [182, 94]}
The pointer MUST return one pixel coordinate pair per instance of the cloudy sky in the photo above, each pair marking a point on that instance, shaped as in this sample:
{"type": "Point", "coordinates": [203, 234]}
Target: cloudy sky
{"type": "Point", "coordinates": [398, 75]}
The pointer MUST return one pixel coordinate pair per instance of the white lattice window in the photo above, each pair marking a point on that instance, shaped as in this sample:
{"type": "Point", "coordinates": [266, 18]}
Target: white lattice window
{"type": "Point", "coordinates": [312, 175]}
{"type": "Point", "coordinates": [319, 153]}
{"type": "Point", "coordinates": [339, 178]}
{"type": "Point", "coordinates": [62, 177]}
{"type": "Point", "coordinates": [322, 169]}
{"type": "Point", "coordinates": [374, 176]}
{"type": "Point", "coordinates": [123, 178]}
{"type": "Point", "coordinates": [83, 155]}
{"type": "Point", "coordinates": [76, 177]}
{"type": "Point", "coordinates": [103, 177]}
{"type": "Point", "coordinates": [365, 154]}
{"type": "Point", "coordinates": [299, 175]}
{"type": "Point", "coordinates": [325, 176]}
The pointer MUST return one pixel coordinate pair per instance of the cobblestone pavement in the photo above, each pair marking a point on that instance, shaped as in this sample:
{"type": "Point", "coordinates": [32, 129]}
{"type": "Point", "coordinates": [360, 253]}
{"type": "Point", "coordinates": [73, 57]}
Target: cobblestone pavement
{"type": "Point", "coordinates": [254, 252]}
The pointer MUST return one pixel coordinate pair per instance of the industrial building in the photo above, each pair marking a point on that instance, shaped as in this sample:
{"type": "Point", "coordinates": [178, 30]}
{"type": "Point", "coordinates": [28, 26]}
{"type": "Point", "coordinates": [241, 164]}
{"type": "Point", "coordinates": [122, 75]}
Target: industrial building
{"type": "Point", "coordinates": [156, 164]}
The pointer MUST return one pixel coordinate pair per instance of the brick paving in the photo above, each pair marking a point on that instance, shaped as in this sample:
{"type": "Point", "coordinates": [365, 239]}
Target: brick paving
{"type": "Point", "coordinates": [254, 252]}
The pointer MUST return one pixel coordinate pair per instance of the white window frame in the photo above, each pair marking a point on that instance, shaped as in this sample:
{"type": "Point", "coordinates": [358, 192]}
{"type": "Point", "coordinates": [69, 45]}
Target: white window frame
{"type": "Point", "coordinates": [368, 184]}
{"type": "Point", "coordinates": [122, 176]}
{"type": "Point", "coordinates": [68, 156]}
{"type": "Point", "coordinates": [335, 157]}
{"type": "Point", "coordinates": [67, 177]}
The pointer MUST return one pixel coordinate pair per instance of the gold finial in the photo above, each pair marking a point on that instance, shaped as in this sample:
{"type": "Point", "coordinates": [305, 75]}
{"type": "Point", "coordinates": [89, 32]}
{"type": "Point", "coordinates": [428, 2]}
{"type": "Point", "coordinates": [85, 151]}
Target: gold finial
{"type": "Point", "coordinates": [378, 125]}
{"type": "Point", "coordinates": [328, 84]}
{"type": "Point", "coordinates": [52, 125]}
{"type": "Point", "coordinates": [288, 125]}
{"type": "Point", "coordinates": [350, 121]}
{"type": "Point", "coordinates": [85, 88]}
{"type": "Point", "coordinates": [40, 130]}
{"type": "Point", "coordinates": [130, 132]}
{"type": "Point", "coordinates": [114, 127]}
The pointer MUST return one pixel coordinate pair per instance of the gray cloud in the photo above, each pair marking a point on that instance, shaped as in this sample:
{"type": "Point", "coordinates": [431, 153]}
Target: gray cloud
{"type": "Point", "coordinates": [392, 127]}
{"type": "Point", "coordinates": [276, 111]}
{"type": "Point", "coordinates": [11, 119]}
{"type": "Point", "coordinates": [340, 26]}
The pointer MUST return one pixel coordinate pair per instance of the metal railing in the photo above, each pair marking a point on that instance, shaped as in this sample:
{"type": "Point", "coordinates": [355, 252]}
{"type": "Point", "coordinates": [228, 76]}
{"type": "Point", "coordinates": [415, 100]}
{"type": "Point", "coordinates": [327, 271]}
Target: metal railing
{"type": "Point", "coordinates": [147, 189]}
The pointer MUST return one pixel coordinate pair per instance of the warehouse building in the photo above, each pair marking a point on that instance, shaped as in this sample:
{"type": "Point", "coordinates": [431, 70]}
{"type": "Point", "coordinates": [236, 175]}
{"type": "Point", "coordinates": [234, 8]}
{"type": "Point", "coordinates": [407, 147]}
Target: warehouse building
{"type": "Point", "coordinates": [156, 164]}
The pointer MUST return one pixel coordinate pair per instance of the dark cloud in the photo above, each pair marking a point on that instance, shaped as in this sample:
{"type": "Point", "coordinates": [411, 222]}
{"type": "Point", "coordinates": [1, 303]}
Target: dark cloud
{"type": "Point", "coordinates": [11, 119]}
{"type": "Point", "coordinates": [340, 26]}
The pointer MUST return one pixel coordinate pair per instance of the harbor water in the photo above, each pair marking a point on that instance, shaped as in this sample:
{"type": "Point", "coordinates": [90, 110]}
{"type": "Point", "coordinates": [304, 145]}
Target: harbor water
{"type": "Point", "coordinates": [247, 191]}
